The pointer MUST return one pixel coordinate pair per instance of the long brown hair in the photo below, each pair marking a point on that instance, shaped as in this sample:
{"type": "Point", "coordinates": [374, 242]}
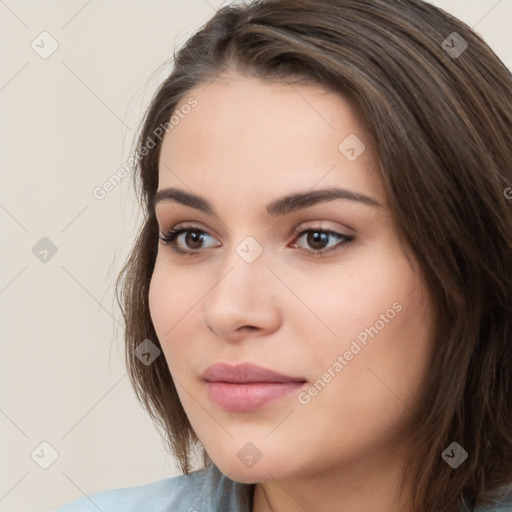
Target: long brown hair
{"type": "Point", "coordinates": [438, 103]}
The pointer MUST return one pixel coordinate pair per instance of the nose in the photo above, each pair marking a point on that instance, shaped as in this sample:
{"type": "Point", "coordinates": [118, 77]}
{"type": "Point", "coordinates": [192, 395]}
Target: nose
{"type": "Point", "coordinates": [243, 300]}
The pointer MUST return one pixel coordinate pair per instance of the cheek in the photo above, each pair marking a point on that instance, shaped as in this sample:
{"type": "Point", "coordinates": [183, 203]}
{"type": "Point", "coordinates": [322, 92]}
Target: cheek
{"type": "Point", "coordinates": [171, 303]}
{"type": "Point", "coordinates": [386, 357]}
{"type": "Point", "coordinates": [361, 299]}
{"type": "Point", "coordinates": [173, 293]}
{"type": "Point", "coordinates": [380, 316]}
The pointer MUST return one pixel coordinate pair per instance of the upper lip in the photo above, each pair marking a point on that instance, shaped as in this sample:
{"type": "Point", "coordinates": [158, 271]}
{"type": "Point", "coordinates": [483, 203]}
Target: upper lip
{"type": "Point", "coordinates": [245, 373]}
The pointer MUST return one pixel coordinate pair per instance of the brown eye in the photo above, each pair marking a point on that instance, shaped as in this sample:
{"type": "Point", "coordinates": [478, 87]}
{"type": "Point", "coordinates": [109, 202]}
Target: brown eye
{"type": "Point", "coordinates": [190, 243]}
{"type": "Point", "coordinates": [194, 239]}
{"type": "Point", "coordinates": [318, 240]}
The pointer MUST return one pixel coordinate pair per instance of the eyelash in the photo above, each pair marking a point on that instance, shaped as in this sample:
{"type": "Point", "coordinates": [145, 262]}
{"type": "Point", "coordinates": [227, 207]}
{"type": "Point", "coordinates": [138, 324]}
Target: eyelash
{"type": "Point", "coordinates": [169, 239]}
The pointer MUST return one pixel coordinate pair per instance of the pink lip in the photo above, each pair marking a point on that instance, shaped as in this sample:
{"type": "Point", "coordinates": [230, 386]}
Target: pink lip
{"type": "Point", "coordinates": [247, 387]}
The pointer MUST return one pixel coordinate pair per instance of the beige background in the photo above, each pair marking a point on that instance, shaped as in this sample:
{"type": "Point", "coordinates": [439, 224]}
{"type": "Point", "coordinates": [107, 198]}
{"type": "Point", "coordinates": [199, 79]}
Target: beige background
{"type": "Point", "coordinates": [67, 124]}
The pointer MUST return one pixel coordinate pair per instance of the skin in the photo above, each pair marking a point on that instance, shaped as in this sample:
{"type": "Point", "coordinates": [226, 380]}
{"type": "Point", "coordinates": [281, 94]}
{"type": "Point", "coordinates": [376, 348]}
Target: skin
{"type": "Point", "coordinates": [246, 143]}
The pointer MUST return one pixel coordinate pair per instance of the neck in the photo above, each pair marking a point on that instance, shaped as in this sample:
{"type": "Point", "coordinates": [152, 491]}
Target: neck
{"type": "Point", "coordinates": [369, 485]}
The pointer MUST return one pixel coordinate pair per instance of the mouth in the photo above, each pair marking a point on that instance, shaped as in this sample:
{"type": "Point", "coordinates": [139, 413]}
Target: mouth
{"type": "Point", "coordinates": [247, 387]}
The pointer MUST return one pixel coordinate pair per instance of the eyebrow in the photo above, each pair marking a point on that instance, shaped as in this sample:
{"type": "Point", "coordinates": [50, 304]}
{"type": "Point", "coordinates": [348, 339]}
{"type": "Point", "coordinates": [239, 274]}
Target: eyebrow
{"type": "Point", "coordinates": [278, 207]}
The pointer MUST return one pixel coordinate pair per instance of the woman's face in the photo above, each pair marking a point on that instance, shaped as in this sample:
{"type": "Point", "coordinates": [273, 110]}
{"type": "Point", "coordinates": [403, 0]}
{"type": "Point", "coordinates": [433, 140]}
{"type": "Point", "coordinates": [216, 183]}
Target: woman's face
{"type": "Point", "coordinates": [319, 291]}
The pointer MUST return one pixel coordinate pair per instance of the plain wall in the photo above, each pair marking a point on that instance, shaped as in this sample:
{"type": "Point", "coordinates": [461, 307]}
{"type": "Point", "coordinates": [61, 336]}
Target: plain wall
{"type": "Point", "coordinates": [66, 125]}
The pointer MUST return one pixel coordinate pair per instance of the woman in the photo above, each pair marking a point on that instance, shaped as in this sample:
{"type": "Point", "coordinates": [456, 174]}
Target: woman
{"type": "Point", "coordinates": [320, 299]}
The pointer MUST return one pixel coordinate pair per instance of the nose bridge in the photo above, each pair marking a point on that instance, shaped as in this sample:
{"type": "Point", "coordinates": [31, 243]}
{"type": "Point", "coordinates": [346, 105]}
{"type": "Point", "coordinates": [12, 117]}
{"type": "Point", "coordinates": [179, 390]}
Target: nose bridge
{"type": "Point", "coordinates": [242, 269]}
{"type": "Point", "coordinates": [241, 296]}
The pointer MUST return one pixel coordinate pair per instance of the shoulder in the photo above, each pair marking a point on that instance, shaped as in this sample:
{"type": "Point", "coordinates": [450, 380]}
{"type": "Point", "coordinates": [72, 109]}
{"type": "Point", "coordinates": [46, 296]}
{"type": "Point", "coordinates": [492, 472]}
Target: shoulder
{"type": "Point", "coordinates": [207, 490]}
{"type": "Point", "coordinates": [170, 494]}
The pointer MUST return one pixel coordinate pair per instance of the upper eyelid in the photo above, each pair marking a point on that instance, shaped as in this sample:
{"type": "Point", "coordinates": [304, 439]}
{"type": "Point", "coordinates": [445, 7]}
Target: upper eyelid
{"type": "Point", "coordinates": [164, 208]}
{"type": "Point", "coordinates": [296, 232]}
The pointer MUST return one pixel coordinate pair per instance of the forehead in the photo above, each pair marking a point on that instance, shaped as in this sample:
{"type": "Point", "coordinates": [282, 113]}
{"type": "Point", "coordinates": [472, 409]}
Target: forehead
{"type": "Point", "coordinates": [245, 136]}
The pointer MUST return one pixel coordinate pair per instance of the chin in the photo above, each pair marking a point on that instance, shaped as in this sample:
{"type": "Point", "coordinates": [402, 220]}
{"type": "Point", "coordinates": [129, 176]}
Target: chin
{"type": "Point", "coordinates": [246, 476]}
{"type": "Point", "coordinates": [259, 472]}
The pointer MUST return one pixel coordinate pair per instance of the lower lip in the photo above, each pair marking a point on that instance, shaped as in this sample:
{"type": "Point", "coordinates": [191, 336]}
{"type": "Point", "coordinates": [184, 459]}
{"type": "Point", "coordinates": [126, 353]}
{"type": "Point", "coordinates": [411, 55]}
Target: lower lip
{"type": "Point", "coordinates": [250, 396]}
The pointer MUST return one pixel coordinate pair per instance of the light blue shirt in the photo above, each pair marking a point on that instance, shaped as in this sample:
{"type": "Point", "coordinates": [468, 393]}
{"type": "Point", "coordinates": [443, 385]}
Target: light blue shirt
{"type": "Point", "coordinates": [202, 491]}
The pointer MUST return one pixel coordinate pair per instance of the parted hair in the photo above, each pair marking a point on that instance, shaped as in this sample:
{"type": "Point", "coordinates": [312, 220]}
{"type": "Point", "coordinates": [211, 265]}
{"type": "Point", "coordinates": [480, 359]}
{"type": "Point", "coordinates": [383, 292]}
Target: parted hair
{"type": "Point", "coordinates": [438, 103]}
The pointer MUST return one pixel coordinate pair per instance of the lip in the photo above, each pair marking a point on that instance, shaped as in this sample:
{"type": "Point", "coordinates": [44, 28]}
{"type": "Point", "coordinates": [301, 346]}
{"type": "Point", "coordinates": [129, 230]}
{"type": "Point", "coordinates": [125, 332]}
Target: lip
{"type": "Point", "coordinates": [245, 373]}
{"type": "Point", "coordinates": [247, 387]}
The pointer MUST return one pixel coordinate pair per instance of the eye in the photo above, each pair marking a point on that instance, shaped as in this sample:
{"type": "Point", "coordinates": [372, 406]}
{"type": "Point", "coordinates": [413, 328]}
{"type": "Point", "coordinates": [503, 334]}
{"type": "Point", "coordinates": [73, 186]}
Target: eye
{"type": "Point", "coordinates": [188, 240]}
{"type": "Point", "coordinates": [318, 240]}
{"type": "Point", "coordinates": [193, 238]}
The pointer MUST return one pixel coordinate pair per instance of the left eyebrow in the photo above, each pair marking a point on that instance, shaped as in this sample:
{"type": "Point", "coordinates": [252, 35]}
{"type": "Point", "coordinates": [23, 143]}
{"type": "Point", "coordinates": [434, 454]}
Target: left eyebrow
{"type": "Point", "coordinates": [278, 207]}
